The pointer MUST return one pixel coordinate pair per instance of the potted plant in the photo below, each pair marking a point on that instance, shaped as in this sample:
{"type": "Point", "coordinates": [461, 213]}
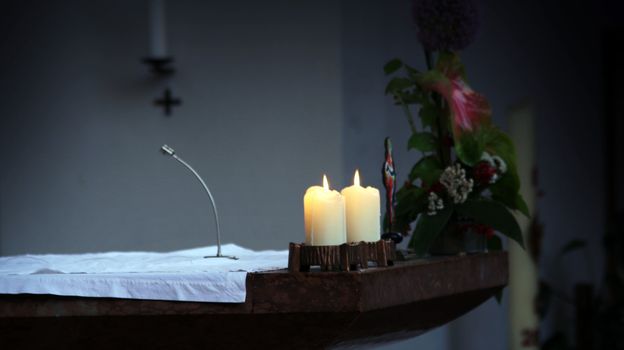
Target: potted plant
{"type": "Point", "coordinates": [465, 185]}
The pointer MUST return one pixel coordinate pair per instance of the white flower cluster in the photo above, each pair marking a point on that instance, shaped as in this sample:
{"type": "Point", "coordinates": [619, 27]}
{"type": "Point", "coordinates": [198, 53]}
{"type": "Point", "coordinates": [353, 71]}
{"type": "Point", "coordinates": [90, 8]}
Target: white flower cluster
{"type": "Point", "coordinates": [458, 187]}
{"type": "Point", "coordinates": [435, 204]}
{"type": "Point", "coordinates": [497, 162]}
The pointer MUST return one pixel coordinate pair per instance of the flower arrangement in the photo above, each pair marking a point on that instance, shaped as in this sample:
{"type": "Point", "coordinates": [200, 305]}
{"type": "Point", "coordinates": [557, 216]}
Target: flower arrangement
{"type": "Point", "coordinates": [466, 178]}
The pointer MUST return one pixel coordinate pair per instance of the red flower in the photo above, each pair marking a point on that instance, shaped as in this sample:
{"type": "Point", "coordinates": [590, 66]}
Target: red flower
{"type": "Point", "coordinates": [481, 229]}
{"type": "Point", "coordinates": [485, 230]}
{"type": "Point", "coordinates": [437, 187]}
{"type": "Point", "coordinates": [488, 231]}
{"type": "Point", "coordinates": [469, 109]}
{"type": "Point", "coordinates": [483, 173]}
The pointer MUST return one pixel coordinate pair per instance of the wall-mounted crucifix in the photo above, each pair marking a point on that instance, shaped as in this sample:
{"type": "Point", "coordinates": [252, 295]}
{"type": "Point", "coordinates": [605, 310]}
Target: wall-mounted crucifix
{"type": "Point", "coordinates": [167, 101]}
{"type": "Point", "coordinates": [159, 60]}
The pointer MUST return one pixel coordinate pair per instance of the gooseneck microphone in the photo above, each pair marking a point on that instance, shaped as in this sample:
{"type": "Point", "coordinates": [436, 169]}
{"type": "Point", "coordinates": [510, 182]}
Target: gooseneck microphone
{"type": "Point", "coordinates": [171, 152]}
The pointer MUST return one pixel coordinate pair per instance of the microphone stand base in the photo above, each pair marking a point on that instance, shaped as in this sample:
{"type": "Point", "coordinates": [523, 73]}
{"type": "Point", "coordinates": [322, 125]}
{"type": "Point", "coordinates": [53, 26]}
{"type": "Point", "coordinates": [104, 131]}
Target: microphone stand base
{"type": "Point", "coordinates": [221, 256]}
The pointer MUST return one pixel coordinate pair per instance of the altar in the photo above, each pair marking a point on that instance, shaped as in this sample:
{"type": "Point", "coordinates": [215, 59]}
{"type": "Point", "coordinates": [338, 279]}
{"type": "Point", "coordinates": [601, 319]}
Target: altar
{"type": "Point", "coordinates": [306, 310]}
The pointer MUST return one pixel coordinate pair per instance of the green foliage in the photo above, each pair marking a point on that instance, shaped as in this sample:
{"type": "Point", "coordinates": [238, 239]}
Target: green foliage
{"type": "Point", "coordinates": [422, 141]}
{"type": "Point", "coordinates": [393, 66]}
{"type": "Point", "coordinates": [494, 214]}
{"type": "Point", "coordinates": [432, 78]}
{"type": "Point", "coordinates": [450, 64]}
{"type": "Point", "coordinates": [428, 228]}
{"type": "Point", "coordinates": [433, 91]}
{"type": "Point", "coordinates": [412, 72]}
{"type": "Point", "coordinates": [522, 206]}
{"type": "Point", "coordinates": [404, 89]}
{"type": "Point", "coordinates": [428, 169]}
{"type": "Point", "coordinates": [397, 85]}
{"type": "Point", "coordinates": [498, 143]}
{"type": "Point", "coordinates": [469, 148]}
{"type": "Point", "coordinates": [506, 189]}
{"type": "Point", "coordinates": [410, 97]}
{"type": "Point", "coordinates": [411, 199]}
{"type": "Point", "coordinates": [428, 114]}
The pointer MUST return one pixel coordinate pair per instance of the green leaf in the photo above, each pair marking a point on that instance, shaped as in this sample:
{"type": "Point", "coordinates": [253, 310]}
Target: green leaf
{"type": "Point", "coordinates": [507, 187]}
{"type": "Point", "coordinates": [392, 66]}
{"type": "Point", "coordinates": [573, 245]}
{"type": "Point", "coordinates": [494, 214]}
{"type": "Point", "coordinates": [413, 72]}
{"type": "Point", "coordinates": [428, 228]}
{"type": "Point", "coordinates": [498, 143]}
{"type": "Point", "coordinates": [431, 78]}
{"type": "Point", "coordinates": [422, 141]}
{"type": "Point", "coordinates": [522, 206]}
{"type": "Point", "coordinates": [505, 190]}
{"type": "Point", "coordinates": [409, 199]}
{"type": "Point", "coordinates": [428, 114]}
{"type": "Point", "coordinates": [450, 64]}
{"type": "Point", "coordinates": [469, 149]}
{"type": "Point", "coordinates": [428, 169]}
{"type": "Point", "coordinates": [397, 85]}
{"type": "Point", "coordinates": [413, 97]}
{"type": "Point", "coordinates": [494, 244]}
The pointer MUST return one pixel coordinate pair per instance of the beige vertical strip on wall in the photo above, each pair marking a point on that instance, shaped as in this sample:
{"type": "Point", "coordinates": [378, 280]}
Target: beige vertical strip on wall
{"type": "Point", "coordinates": [523, 279]}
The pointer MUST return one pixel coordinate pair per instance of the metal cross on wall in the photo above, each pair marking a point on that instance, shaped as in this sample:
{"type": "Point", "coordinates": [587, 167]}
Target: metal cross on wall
{"type": "Point", "coordinates": [168, 101]}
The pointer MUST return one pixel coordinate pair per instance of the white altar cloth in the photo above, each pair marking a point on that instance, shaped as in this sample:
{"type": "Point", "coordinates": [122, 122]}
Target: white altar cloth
{"type": "Point", "coordinates": [180, 275]}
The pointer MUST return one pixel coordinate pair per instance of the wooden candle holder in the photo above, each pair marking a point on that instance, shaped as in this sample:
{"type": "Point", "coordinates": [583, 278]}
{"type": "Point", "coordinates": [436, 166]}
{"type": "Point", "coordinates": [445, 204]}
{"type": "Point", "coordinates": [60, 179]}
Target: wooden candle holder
{"type": "Point", "coordinates": [344, 257]}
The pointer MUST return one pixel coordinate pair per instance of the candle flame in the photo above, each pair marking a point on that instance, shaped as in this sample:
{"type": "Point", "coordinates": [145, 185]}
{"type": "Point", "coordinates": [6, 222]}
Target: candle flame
{"type": "Point", "coordinates": [356, 178]}
{"type": "Point", "coordinates": [325, 183]}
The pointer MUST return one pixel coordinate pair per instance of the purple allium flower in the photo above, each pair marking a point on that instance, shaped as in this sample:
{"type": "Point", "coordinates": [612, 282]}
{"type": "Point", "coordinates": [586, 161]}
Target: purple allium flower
{"type": "Point", "coordinates": [445, 25]}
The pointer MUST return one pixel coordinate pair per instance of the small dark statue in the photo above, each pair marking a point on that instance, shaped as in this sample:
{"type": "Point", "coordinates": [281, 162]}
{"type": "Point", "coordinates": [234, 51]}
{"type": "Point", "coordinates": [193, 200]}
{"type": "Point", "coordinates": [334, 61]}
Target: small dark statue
{"type": "Point", "coordinates": [388, 174]}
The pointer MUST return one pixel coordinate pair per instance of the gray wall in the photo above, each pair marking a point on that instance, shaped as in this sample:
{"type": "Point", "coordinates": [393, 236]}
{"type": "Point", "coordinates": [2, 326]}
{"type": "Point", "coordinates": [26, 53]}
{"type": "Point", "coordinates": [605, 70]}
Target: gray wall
{"type": "Point", "coordinates": [275, 93]}
{"type": "Point", "coordinates": [261, 121]}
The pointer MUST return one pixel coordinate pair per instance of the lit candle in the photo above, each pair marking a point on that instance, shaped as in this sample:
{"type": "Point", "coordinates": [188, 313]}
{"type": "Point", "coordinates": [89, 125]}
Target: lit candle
{"type": "Point", "coordinates": [324, 216]}
{"type": "Point", "coordinates": [363, 212]}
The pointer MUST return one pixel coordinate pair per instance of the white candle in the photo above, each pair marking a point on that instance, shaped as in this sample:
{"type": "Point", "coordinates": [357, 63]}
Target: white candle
{"type": "Point", "coordinates": [363, 212]}
{"type": "Point", "coordinates": [308, 199]}
{"type": "Point", "coordinates": [324, 216]}
{"type": "Point", "coordinates": [158, 44]}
